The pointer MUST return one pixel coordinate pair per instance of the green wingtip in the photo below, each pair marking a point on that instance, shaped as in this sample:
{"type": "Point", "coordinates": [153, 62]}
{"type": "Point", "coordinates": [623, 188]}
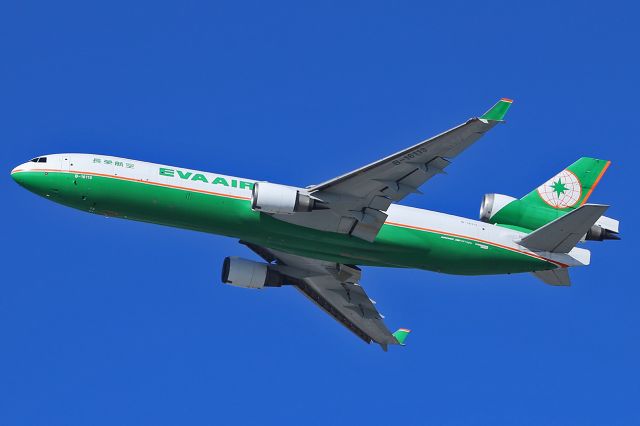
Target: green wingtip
{"type": "Point", "coordinates": [401, 335]}
{"type": "Point", "coordinates": [498, 111]}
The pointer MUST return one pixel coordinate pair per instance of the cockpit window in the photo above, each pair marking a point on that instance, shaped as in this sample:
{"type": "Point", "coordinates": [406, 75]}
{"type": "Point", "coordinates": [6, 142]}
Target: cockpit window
{"type": "Point", "coordinates": [38, 160]}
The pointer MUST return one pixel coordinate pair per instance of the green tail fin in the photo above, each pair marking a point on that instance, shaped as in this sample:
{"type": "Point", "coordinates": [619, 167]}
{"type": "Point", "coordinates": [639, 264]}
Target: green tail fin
{"type": "Point", "coordinates": [570, 188]}
{"type": "Point", "coordinates": [563, 193]}
{"type": "Point", "coordinates": [401, 335]}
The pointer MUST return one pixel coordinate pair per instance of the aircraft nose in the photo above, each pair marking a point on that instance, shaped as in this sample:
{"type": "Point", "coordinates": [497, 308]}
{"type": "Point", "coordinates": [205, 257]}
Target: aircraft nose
{"type": "Point", "coordinates": [18, 176]}
{"type": "Point", "coordinates": [24, 176]}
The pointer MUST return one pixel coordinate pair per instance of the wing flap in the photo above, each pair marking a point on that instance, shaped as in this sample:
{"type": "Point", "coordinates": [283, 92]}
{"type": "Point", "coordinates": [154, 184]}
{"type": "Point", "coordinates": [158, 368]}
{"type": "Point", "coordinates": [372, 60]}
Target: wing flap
{"type": "Point", "coordinates": [311, 290]}
{"type": "Point", "coordinates": [354, 311]}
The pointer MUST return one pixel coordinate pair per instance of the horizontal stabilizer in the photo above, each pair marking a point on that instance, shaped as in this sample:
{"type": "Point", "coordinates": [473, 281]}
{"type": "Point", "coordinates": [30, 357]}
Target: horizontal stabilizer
{"type": "Point", "coordinates": [609, 224]}
{"type": "Point", "coordinates": [562, 235]}
{"type": "Point", "coordinates": [558, 276]}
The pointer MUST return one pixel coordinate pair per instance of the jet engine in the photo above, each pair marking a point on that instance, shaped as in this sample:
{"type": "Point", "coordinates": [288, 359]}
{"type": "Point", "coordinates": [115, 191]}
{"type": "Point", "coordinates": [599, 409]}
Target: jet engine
{"type": "Point", "coordinates": [599, 233]}
{"type": "Point", "coordinates": [273, 198]}
{"type": "Point", "coordinates": [249, 274]}
{"type": "Point", "coordinates": [492, 204]}
{"type": "Point", "coordinates": [530, 217]}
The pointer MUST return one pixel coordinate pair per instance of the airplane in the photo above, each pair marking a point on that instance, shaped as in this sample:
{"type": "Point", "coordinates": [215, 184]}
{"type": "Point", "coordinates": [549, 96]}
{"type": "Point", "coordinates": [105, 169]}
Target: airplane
{"type": "Point", "coordinates": [316, 238]}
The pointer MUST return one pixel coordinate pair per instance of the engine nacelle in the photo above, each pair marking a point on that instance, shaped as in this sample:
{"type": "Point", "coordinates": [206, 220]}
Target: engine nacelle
{"type": "Point", "coordinates": [249, 274]}
{"type": "Point", "coordinates": [598, 233]}
{"type": "Point", "coordinates": [273, 198]}
{"type": "Point", "coordinates": [492, 204]}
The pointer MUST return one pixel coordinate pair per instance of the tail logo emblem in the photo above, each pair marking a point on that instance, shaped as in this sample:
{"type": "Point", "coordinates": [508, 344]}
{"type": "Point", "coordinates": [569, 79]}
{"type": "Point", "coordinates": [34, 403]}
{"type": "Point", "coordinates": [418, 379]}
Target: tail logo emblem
{"type": "Point", "coordinates": [561, 191]}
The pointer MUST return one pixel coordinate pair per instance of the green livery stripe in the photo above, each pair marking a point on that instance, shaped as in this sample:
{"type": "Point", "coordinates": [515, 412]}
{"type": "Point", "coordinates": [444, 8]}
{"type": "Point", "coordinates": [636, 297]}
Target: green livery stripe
{"type": "Point", "coordinates": [534, 255]}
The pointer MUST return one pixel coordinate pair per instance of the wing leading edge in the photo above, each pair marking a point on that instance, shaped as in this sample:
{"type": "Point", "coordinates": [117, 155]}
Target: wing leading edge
{"type": "Point", "coordinates": [356, 202]}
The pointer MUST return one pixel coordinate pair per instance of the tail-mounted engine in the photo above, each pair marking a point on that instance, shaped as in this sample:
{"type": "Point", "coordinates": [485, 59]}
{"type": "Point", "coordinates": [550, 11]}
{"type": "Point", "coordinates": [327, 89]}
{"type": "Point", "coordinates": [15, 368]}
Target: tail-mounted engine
{"type": "Point", "coordinates": [524, 215]}
{"type": "Point", "coordinates": [249, 274]}
{"type": "Point", "coordinates": [599, 233]}
{"type": "Point", "coordinates": [273, 198]}
{"type": "Point", "coordinates": [492, 204]}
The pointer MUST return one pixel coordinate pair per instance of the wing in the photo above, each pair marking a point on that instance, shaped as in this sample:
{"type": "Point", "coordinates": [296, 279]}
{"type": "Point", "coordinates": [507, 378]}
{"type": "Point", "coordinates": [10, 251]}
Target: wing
{"type": "Point", "coordinates": [335, 288]}
{"type": "Point", "coordinates": [355, 203]}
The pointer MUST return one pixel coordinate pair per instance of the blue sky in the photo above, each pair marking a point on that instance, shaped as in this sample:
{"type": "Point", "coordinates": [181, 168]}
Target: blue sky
{"type": "Point", "coordinates": [104, 321]}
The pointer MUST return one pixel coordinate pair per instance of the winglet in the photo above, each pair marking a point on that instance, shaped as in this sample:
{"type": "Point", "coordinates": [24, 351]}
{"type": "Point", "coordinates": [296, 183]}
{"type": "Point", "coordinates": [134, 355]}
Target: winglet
{"type": "Point", "coordinates": [401, 334]}
{"type": "Point", "coordinates": [498, 111]}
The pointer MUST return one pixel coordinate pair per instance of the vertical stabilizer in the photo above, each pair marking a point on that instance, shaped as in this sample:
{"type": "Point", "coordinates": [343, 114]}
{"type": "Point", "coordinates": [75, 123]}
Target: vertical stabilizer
{"type": "Point", "coordinates": [570, 188]}
{"type": "Point", "coordinates": [563, 193]}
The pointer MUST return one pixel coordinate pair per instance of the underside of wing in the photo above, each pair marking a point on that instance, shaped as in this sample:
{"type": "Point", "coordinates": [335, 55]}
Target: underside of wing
{"type": "Point", "coordinates": [335, 288]}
